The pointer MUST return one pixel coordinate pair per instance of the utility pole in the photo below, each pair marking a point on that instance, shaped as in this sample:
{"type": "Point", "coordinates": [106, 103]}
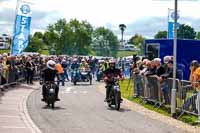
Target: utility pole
{"type": "Point", "coordinates": [173, 93]}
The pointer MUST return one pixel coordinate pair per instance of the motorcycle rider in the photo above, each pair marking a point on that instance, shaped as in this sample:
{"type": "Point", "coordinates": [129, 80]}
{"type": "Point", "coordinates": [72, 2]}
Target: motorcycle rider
{"type": "Point", "coordinates": [111, 72]}
{"type": "Point", "coordinates": [75, 64]}
{"type": "Point", "coordinates": [84, 65]}
{"type": "Point", "coordinates": [48, 75]}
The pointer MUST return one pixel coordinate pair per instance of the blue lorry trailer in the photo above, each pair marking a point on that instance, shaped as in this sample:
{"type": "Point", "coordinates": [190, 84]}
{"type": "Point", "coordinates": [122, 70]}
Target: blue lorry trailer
{"type": "Point", "coordinates": [187, 50]}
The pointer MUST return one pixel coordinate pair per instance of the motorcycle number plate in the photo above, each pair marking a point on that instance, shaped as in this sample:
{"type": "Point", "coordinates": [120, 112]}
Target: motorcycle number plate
{"type": "Point", "coordinates": [117, 88]}
{"type": "Point", "coordinates": [51, 90]}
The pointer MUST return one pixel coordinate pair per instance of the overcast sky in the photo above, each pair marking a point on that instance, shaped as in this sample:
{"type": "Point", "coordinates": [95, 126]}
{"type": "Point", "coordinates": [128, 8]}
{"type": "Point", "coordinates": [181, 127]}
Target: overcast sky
{"type": "Point", "coordinates": [144, 17]}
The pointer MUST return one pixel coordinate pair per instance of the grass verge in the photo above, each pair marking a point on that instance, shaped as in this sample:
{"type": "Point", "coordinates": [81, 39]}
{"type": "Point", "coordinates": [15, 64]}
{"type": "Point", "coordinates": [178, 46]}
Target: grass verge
{"type": "Point", "coordinates": [127, 92]}
{"type": "Point", "coordinates": [4, 51]}
{"type": "Point", "coordinates": [125, 53]}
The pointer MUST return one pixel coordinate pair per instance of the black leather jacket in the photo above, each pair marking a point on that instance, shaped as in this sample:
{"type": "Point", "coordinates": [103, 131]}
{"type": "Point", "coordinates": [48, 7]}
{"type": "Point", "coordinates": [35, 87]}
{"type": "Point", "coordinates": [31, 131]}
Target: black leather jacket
{"type": "Point", "coordinates": [48, 74]}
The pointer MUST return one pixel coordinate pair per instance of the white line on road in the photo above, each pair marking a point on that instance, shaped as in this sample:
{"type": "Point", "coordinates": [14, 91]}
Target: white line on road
{"type": "Point", "coordinates": [68, 89]}
{"type": "Point", "coordinates": [9, 116]}
{"type": "Point", "coordinates": [13, 127]}
{"type": "Point", "coordinates": [84, 92]}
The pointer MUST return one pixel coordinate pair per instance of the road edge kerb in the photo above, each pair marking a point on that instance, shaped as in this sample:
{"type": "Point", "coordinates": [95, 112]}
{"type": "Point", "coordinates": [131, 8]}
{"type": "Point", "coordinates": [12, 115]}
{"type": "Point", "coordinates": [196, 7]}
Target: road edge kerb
{"type": "Point", "coordinates": [154, 115]}
{"type": "Point", "coordinates": [25, 115]}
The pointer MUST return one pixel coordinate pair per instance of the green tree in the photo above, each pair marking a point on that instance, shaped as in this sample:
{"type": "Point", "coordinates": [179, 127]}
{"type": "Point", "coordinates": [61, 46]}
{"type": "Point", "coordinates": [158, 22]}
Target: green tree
{"type": "Point", "coordinates": [70, 38]}
{"type": "Point", "coordinates": [36, 44]}
{"type": "Point", "coordinates": [138, 41]}
{"type": "Point", "coordinates": [198, 35]}
{"type": "Point", "coordinates": [186, 32]}
{"type": "Point", "coordinates": [38, 35]}
{"type": "Point", "coordinates": [105, 42]}
{"type": "Point", "coordinates": [161, 35]}
{"type": "Point", "coordinates": [82, 36]}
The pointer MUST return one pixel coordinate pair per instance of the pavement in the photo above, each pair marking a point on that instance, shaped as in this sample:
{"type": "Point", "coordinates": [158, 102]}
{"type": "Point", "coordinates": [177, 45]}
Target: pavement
{"type": "Point", "coordinates": [14, 117]}
{"type": "Point", "coordinates": [82, 110]}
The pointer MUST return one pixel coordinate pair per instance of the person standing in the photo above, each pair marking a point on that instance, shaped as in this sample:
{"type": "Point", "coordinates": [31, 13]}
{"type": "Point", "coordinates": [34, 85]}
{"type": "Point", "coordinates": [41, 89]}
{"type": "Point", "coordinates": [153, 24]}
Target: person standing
{"type": "Point", "coordinates": [60, 74]}
{"type": "Point", "coordinates": [30, 68]}
{"type": "Point", "coordinates": [65, 68]}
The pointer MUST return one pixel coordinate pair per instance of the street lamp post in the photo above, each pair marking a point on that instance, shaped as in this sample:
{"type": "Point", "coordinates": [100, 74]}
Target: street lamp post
{"type": "Point", "coordinates": [122, 28]}
{"type": "Point", "coordinates": [173, 93]}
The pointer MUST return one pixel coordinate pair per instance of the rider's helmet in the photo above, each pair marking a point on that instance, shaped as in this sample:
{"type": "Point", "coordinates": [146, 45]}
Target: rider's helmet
{"type": "Point", "coordinates": [101, 61]}
{"type": "Point", "coordinates": [51, 64]}
{"type": "Point", "coordinates": [75, 60]}
{"type": "Point", "coordinates": [112, 63]}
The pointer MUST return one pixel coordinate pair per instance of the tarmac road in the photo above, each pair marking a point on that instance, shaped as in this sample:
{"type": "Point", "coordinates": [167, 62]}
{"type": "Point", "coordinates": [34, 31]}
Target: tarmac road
{"type": "Point", "coordinates": [82, 110]}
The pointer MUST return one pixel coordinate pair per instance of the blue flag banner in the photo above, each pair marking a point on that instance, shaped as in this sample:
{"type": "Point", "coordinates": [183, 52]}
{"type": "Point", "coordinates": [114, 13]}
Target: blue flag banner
{"type": "Point", "coordinates": [22, 28]}
{"type": "Point", "coordinates": [171, 16]}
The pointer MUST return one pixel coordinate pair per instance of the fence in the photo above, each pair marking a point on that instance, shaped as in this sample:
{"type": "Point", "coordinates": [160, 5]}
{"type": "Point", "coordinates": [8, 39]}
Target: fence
{"type": "Point", "coordinates": [150, 88]}
{"type": "Point", "coordinates": [16, 75]}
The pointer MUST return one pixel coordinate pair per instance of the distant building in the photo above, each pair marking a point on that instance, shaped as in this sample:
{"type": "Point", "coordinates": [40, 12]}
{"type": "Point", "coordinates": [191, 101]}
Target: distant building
{"type": "Point", "coordinates": [5, 41]}
{"type": "Point", "coordinates": [127, 46]}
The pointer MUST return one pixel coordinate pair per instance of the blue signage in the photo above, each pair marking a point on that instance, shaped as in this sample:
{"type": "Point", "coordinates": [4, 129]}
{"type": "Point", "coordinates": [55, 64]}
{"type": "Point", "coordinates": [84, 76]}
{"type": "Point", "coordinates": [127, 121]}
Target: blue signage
{"type": "Point", "coordinates": [170, 30]}
{"type": "Point", "coordinates": [21, 30]}
{"type": "Point", "coordinates": [171, 15]}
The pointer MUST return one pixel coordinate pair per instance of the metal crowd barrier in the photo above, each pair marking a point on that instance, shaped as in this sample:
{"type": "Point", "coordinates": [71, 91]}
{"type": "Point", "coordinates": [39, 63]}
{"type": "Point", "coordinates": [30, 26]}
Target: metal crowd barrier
{"type": "Point", "coordinates": [151, 89]}
{"type": "Point", "coordinates": [188, 99]}
{"type": "Point", "coordinates": [15, 76]}
{"type": "Point", "coordinates": [148, 88]}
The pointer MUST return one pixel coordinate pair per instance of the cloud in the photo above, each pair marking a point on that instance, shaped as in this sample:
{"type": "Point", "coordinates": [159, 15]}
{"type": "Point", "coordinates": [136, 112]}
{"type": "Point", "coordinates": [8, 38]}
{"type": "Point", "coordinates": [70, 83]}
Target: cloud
{"type": "Point", "coordinates": [4, 1]}
{"type": "Point", "coordinates": [40, 19]}
{"type": "Point", "coordinates": [148, 27]}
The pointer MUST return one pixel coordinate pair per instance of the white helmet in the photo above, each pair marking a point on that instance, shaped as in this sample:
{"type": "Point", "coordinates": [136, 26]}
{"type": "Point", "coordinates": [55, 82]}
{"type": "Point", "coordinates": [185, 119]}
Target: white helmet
{"type": "Point", "coordinates": [112, 61]}
{"type": "Point", "coordinates": [51, 64]}
{"type": "Point", "coordinates": [75, 60]}
{"type": "Point", "coordinates": [101, 61]}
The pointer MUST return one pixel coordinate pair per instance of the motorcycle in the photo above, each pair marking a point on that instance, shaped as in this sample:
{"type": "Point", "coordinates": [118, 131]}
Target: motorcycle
{"type": "Point", "coordinates": [115, 95]}
{"type": "Point", "coordinates": [81, 76]}
{"type": "Point", "coordinates": [50, 97]}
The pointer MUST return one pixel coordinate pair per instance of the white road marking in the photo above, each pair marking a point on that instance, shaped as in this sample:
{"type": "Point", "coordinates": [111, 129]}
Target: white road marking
{"type": "Point", "coordinates": [9, 116]}
{"type": "Point", "coordinates": [13, 127]}
{"type": "Point", "coordinates": [84, 92]}
{"type": "Point", "coordinates": [70, 90]}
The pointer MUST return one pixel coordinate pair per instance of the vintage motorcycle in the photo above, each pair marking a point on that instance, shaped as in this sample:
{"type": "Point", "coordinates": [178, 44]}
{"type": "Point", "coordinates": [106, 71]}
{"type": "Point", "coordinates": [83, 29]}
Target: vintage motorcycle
{"type": "Point", "coordinates": [81, 75]}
